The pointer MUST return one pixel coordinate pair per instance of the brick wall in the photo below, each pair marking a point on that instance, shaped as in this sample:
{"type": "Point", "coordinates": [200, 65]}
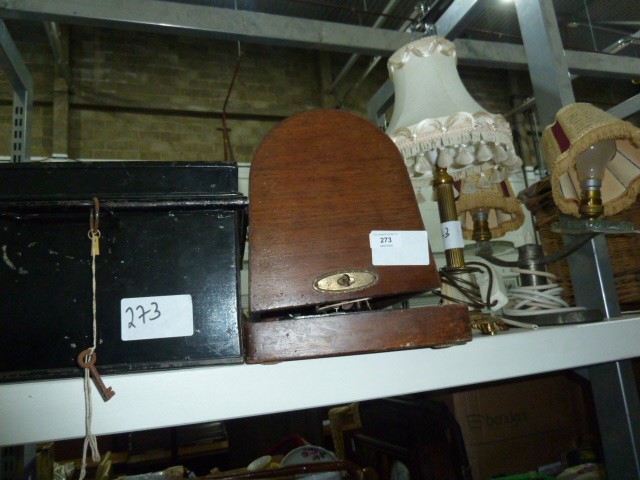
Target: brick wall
{"type": "Point", "coordinates": [105, 134]}
{"type": "Point", "coordinates": [169, 92]}
{"type": "Point", "coordinates": [168, 71]}
{"type": "Point", "coordinates": [152, 96]}
{"type": "Point", "coordinates": [140, 95]}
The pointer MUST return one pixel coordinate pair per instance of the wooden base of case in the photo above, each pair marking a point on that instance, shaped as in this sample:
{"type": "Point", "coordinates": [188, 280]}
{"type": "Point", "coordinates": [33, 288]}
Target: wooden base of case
{"type": "Point", "coordinates": [360, 332]}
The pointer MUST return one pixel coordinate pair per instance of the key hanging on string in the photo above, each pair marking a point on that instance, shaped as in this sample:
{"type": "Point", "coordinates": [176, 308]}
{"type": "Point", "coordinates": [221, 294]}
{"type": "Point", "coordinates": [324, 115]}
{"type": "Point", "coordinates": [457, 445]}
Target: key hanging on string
{"type": "Point", "coordinates": [87, 358]}
{"type": "Point", "coordinates": [94, 228]}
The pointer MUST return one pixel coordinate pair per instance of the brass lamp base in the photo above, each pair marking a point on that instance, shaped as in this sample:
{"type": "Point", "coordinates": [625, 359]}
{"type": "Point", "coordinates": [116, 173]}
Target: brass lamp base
{"type": "Point", "coordinates": [486, 323]}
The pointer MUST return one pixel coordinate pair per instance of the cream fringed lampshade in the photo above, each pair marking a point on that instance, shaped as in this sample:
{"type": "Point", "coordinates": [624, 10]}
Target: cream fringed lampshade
{"type": "Point", "coordinates": [436, 122]}
{"type": "Point", "coordinates": [587, 148]}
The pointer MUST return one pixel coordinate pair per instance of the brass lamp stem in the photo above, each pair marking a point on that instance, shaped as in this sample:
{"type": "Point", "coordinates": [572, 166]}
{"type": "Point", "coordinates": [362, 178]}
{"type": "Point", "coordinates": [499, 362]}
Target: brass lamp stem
{"type": "Point", "coordinates": [443, 188]}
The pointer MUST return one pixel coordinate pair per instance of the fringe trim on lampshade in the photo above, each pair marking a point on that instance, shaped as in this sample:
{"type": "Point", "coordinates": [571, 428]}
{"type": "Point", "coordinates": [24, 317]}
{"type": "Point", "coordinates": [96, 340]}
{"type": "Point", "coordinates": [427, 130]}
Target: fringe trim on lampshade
{"type": "Point", "coordinates": [464, 143]}
{"type": "Point", "coordinates": [458, 129]}
{"type": "Point", "coordinates": [600, 126]}
{"type": "Point", "coordinates": [493, 172]}
{"type": "Point", "coordinates": [506, 215]}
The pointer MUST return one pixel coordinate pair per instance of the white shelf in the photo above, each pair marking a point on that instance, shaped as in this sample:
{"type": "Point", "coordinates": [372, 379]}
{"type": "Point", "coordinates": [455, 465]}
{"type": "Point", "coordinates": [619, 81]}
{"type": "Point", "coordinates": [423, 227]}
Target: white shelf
{"type": "Point", "coordinates": [54, 409]}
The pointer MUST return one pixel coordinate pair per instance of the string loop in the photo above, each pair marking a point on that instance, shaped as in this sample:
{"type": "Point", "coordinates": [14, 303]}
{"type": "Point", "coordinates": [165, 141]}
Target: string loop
{"type": "Point", "coordinates": [90, 439]}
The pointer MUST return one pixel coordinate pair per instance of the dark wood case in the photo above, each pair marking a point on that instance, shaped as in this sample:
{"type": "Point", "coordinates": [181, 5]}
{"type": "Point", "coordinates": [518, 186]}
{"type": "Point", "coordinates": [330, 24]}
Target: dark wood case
{"type": "Point", "coordinates": [321, 181]}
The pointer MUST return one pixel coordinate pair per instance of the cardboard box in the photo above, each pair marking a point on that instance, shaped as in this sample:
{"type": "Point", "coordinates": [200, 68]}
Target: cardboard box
{"type": "Point", "coordinates": [521, 425]}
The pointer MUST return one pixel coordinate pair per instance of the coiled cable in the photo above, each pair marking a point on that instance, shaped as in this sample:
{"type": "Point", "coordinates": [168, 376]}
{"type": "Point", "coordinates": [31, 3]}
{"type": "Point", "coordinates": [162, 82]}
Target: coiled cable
{"type": "Point", "coordinates": [527, 300]}
{"type": "Point", "coordinates": [470, 290]}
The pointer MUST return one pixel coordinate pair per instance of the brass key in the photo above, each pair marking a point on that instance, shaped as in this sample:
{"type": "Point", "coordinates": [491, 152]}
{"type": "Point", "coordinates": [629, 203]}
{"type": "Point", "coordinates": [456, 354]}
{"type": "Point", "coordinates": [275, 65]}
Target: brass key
{"type": "Point", "coordinates": [86, 359]}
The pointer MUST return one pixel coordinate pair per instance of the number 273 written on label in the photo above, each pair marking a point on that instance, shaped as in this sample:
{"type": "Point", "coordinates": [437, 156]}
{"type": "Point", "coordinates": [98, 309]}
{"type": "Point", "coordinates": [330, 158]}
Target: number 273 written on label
{"type": "Point", "coordinates": [151, 314]}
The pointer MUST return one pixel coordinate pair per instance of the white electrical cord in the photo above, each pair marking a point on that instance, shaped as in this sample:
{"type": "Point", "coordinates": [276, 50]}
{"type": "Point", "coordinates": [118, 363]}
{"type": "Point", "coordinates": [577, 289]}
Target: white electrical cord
{"type": "Point", "coordinates": [537, 299]}
{"type": "Point", "coordinates": [515, 323]}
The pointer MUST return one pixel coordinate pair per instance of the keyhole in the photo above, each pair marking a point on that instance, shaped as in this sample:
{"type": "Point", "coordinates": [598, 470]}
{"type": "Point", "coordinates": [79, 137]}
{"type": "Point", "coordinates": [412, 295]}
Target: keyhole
{"type": "Point", "coordinates": [346, 280]}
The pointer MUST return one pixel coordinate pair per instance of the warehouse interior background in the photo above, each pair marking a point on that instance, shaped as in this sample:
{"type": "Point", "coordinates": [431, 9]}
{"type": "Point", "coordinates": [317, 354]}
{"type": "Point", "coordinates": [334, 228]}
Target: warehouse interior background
{"type": "Point", "coordinates": [109, 91]}
{"type": "Point", "coordinates": [133, 95]}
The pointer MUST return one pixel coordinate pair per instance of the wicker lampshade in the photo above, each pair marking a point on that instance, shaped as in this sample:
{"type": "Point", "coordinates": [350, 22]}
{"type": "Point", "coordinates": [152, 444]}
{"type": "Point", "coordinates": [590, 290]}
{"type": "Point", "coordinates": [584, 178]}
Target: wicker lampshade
{"type": "Point", "coordinates": [500, 204]}
{"type": "Point", "coordinates": [436, 122]}
{"type": "Point", "coordinates": [578, 127]}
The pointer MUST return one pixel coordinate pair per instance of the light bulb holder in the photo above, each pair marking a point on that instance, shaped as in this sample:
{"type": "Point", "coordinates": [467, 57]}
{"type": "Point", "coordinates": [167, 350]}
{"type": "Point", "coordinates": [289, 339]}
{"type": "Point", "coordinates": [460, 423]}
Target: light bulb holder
{"type": "Point", "coordinates": [591, 184]}
{"type": "Point", "coordinates": [481, 230]}
{"type": "Point", "coordinates": [591, 203]}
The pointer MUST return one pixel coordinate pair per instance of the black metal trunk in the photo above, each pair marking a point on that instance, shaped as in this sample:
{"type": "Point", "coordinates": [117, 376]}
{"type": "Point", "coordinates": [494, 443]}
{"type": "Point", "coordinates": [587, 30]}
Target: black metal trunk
{"type": "Point", "coordinates": [170, 233]}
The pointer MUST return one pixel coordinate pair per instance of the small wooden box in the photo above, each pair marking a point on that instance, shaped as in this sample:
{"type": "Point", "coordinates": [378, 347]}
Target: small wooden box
{"type": "Point", "coordinates": [321, 182]}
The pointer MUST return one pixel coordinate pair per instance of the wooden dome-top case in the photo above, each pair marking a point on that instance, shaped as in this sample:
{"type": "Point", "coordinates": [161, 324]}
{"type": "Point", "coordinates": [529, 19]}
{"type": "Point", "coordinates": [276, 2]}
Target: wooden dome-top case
{"type": "Point", "coordinates": [321, 182]}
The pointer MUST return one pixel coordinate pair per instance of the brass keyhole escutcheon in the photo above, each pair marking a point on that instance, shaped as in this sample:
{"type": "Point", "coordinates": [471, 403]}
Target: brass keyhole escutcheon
{"type": "Point", "coordinates": [345, 281]}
